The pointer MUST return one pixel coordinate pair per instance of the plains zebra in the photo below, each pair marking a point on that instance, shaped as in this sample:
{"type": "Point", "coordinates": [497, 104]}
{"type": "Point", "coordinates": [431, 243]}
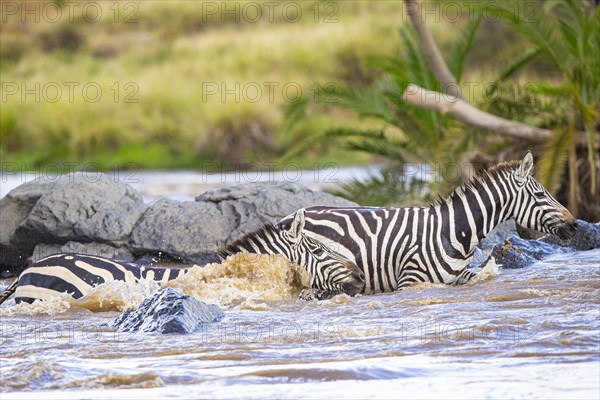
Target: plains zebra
{"type": "Point", "coordinates": [77, 274]}
{"type": "Point", "coordinates": [396, 247]}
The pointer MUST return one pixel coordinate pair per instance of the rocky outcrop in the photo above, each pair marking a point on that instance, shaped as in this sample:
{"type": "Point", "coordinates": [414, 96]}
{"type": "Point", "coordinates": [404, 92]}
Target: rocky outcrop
{"type": "Point", "coordinates": [194, 229]}
{"type": "Point", "coordinates": [168, 311]}
{"type": "Point", "coordinates": [498, 235]}
{"type": "Point", "coordinates": [95, 249]}
{"type": "Point", "coordinates": [74, 207]}
{"type": "Point", "coordinates": [587, 237]}
{"type": "Point", "coordinates": [515, 252]}
{"type": "Point", "coordinates": [94, 214]}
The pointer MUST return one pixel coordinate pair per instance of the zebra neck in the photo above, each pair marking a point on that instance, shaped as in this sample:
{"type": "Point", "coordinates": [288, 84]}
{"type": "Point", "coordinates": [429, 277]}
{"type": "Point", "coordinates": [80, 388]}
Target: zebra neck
{"type": "Point", "coordinates": [263, 241]}
{"type": "Point", "coordinates": [474, 211]}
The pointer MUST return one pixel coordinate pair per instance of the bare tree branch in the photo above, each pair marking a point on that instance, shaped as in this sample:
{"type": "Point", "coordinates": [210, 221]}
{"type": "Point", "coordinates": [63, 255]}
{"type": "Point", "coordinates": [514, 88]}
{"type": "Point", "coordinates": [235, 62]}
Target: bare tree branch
{"type": "Point", "coordinates": [430, 50]}
{"type": "Point", "coordinates": [465, 112]}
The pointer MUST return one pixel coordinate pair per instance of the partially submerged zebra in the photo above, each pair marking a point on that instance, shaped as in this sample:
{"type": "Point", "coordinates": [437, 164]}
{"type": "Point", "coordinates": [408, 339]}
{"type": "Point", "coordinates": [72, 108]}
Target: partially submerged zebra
{"type": "Point", "coordinates": [77, 274]}
{"type": "Point", "coordinates": [396, 247]}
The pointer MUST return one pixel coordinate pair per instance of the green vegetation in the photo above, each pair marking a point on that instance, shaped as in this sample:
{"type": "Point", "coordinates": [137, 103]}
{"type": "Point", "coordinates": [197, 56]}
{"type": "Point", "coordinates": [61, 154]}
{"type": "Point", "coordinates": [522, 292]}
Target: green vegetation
{"type": "Point", "coordinates": [553, 84]}
{"type": "Point", "coordinates": [567, 33]}
{"type": "Point", "coordinates": [186, 82]}
{"type": "Point", "coordinates": [179, 80]}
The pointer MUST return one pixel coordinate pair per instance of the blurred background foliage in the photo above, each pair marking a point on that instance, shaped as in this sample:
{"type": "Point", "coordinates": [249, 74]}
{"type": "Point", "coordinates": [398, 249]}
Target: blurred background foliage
{"type": "Point", "coordinates": [553, 82]}
{"type": "Point", "coordinates": [534, 61]}
{"type": "Point", "coordinates": [170, 52]}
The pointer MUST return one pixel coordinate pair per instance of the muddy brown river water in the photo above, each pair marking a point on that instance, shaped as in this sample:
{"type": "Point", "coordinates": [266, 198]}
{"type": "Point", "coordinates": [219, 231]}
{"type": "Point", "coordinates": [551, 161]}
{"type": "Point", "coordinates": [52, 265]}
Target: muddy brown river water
{"type": "Point", "coordinates": [526, 333]}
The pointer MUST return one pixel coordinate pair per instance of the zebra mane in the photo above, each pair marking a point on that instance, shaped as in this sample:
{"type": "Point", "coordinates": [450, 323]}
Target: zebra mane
{"type": "Point", "coordinates": [482, 178]}
{"type": "Point", "coordinates": [261, 233]}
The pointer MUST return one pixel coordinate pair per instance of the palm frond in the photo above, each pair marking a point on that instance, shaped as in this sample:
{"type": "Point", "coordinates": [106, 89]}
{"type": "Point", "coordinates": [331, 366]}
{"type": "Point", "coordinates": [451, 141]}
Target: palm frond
{"type": "Point", "coordinates": [462, 48]}
{"type": "Point", "coordinates": [365, 102]}
{"type": "Point", "coordinates": [389, 188]}
{"type": "Point", "coordinates": [551, 166]}
{"type": "Point", "coordinates": [293, 113]}
{"type": "Point", "coordinates": [542, 33]}
{"type": "Point", "coordinates": [417, 69]}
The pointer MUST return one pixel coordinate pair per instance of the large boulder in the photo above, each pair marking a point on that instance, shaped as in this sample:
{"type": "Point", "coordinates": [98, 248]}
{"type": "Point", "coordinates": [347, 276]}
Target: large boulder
{"type": "Point", "coordinates": [84, 209]}
{"type": "Point", "coordinates": [43, 250]}
{"type": "Point", "coordinates": [186, 229]}
{"type": "Point", "coordinates": [252, 205]}
{"type": "Point", "coordinates": [168, 311]}
{"type": "Point", "coordinates": [193, 230]}
{"type": "Point", "coordinates": [78, 207]}
{"type": "Point", "coordinates": [518, 253]}
{"type": "Point", "coordinates": [587, 237]}
{"type": "Point", "coordinates": [498, 235]}
{"type": "Point", "coordinates": [14, 208]}
{"type": "Point", "coordinates": [94, 214]}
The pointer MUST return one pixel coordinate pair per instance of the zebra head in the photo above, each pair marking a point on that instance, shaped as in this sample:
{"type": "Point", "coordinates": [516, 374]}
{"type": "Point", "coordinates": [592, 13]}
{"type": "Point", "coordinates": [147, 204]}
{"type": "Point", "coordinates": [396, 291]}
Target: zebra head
{"type": "Point", "coordinates": [329, 270]}
{"type": "Point", "coordinates": [535, 208]}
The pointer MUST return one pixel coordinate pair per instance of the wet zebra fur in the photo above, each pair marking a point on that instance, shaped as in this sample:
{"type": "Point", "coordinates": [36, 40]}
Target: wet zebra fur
{"type": "Point", "coordinates": [396, 247]}
{"type": "Point", "coordinates": [77, 274]}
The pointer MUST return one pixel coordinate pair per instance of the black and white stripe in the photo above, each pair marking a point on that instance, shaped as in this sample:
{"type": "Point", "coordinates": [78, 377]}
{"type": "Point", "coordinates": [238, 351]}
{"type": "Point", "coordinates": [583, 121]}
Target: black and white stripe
{"type": "Point", "coordinates": [78, 274]}
{"type": "Point", "coordinates": [396, 247]}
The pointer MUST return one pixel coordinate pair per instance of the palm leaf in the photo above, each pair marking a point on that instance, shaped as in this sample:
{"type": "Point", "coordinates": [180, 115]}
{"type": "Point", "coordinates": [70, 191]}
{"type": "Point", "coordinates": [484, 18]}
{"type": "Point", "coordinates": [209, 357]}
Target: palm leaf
{"type": "Point", "coordinates": [462, 48]}
{"type": "Point", "coordinates": [554, 158]}
{"type": "Point", "coordinates": [293, 113]}
{"type": "Point", "coordinates": [365, 102]}
{"type": "Point", "coordinates": [389, 188]}
{"type": "Point", "coordinates": [542, 33]}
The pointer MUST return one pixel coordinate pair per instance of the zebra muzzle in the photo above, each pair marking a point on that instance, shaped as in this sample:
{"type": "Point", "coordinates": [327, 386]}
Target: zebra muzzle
{"type": "Point", "coordinates": [566, 230]}
{"type": "Point", "coordinates": [356, 282]}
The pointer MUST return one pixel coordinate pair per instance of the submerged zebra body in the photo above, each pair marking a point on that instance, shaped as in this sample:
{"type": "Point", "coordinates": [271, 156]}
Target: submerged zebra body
{"type": "Point", "coordinates": [77, 274]}
{"type": "Point", "coordinates": [396, 247]}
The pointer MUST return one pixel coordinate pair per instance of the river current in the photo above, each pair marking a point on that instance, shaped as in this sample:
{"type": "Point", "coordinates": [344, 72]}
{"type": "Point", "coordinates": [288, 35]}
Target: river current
{"type": "Point", "coordinates": [521, 333]}
{"type": "Point", "coordinates": [509, 333]}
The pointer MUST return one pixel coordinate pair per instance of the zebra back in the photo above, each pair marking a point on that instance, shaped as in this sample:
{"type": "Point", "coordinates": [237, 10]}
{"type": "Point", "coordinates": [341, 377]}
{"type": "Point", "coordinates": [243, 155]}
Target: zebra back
{"type": "Point", "coordinates": [77, 274]}
{"type": "Point", "coordinates": [396, 247]}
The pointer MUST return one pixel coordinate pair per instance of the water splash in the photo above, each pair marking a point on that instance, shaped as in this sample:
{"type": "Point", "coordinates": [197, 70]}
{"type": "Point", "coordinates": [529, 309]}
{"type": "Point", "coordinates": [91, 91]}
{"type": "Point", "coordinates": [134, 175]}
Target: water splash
{"type": "Point", "coordinates": [245, 281]}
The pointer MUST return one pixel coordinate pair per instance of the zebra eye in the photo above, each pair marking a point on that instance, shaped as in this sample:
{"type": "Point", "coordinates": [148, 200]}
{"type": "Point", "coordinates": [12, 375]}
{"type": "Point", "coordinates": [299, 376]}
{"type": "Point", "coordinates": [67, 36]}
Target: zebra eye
{"type": "Point", "coordinates": [539, 194]}
{"type": "Point", "coordinates": [318, 251]}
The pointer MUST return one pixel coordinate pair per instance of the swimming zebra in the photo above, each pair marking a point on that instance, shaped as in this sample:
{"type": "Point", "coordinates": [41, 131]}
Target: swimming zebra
{"type": "Point", "coordinates": [77, 274]}
{"type": "Point", "coordinates": [396, 247]}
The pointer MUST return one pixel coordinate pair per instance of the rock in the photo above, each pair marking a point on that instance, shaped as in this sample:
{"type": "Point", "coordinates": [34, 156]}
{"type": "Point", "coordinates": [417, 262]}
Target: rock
{"type": "Point", "coordinates": [92, 214]}
{"type": "Point", "coordinates": [79, 206]}
{"type": "Point", "coordinates": [498, 235]}
{"type": "Point", "coordinates": [195, 229]}
{"type": "Point", "coordinates": [255, 204]}
{"type": "Point", "coordinates": [95, 249]}
{"type": "Point", "coordinates": [518, 253]}
{"type": "Point", "coordinates": [186, 229]}
{"type": "Point", "coordinates": [98, 249]}
{"type": "Point", "coordinates": [14, 208]}
{"type": "Point", "coordinates": [587, 237]}
{"type": "Point", "coordinates": [479, 257]}
{"type": "Point", "coordinates": [44, 250]}
{"type": "Point", "coordinates": [168, 311]}
{"type": "Point", "coordinates": [84, 209]}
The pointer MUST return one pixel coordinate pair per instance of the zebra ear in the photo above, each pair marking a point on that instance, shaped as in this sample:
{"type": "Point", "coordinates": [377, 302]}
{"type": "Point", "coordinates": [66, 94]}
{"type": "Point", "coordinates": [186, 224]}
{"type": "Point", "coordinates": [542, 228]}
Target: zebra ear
{"type": "Point", "coordinates": [297, 224]}
{"type": "Point", "coordinates": [524, 170]}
